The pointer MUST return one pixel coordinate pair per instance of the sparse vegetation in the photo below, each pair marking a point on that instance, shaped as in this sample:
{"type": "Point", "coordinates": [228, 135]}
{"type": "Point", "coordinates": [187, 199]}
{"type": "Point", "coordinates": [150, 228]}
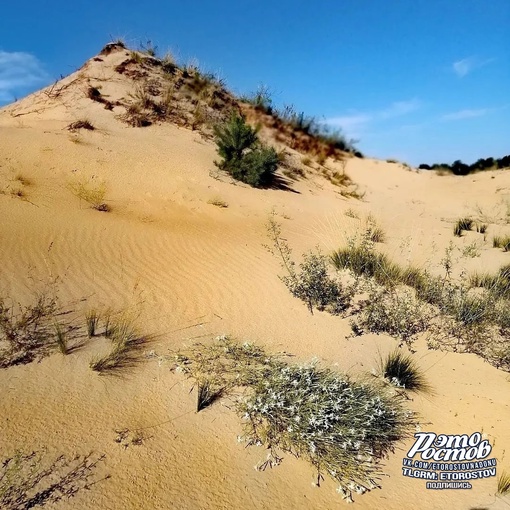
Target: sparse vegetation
{"type": "Point", "coordinates": [91, 193]}
{"type": "Point", "coordinates": [481, 228]}
{"type": "Point", "coordinates": [61, 338]}
{"type": "Point", "coordinates": [243, 156]}
{"type": "Point", "coordinates": [504, 483]}
{"type": "Point", "coordinates": [375, 233]}
{"type": "Point", "coordinates": [461, 225]}
{"type": "Point", "coordinates": [340, 426]}
{"type": "Point", "coordinates": [81, 124]}
{"type": "Point", "coordinates": [28, 480]}
{"type": "Point", "coordinates": [402, 371]}
{"type": "Point", "coordinates": [218, 202]}
{"type": "Point", "coordinates": [311, 282]}
{"type": "Point", "coordinates": [501, 242]}
{"type": "Point", "coordinates": [27, 332]}
{"type": "Point", "coordinates": [206, 395]}
{"type": "Point", "coordinates": [394, 312]}
{"type": "Point", "coordinates": [92, 320]}
{"type": "Point", "coordinates": [125, 351]}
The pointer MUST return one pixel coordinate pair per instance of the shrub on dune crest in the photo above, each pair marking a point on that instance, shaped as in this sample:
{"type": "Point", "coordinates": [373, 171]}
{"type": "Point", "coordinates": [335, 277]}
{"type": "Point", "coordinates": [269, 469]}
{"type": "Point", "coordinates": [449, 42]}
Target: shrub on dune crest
{"type": "Point", "coordinates": [243, 156]}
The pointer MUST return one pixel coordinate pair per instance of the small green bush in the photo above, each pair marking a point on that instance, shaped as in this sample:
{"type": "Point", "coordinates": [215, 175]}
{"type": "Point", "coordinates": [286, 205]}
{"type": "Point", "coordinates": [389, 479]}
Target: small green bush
{"type": "Point", "coordinates": [243, 156]}
{"type": "Point", "coordinates": [396, 313]}
{"type": "Point", "coordinates": [313, 285]}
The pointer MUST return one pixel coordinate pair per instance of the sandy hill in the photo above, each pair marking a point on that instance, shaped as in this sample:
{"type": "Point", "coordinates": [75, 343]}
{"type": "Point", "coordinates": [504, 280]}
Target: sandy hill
{"type": "Point", "coordinates": [181, 250]}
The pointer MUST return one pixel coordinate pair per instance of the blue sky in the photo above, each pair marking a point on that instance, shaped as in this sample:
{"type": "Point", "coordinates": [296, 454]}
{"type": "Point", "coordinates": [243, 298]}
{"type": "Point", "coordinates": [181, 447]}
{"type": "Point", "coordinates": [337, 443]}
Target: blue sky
{"type": "Point", "coordinates": [421, 81]}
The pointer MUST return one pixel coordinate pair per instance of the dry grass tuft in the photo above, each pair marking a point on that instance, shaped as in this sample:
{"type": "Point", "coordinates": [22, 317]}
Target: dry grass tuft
{"type": "Point", "coordinates": [91, 193]}
{"type": "Point", "coordinates": [81, 124]}
{"type": "Point", "coordinates": [504, 483]}
{"type": "Point", "coordinates": [27, 481]}
{"type": "Point", "coordinates": [402, 371]}
{"type": "Point", "coordinates": [218, 202]}
{"type": "Point", "coordinates": [27, 332]}
{"type": "Point", "coordinates": [125, 352]}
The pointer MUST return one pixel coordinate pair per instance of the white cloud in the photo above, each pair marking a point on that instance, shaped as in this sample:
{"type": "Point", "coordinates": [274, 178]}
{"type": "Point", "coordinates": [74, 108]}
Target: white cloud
{"type": "Point", "coordinates": [466, 114]}
{"type": "Point", "coordinates": [354, 124]}
{"type": "Point", "coordinates": [465, 66]}
{"type": "Point", "coordinates": [350, 122]}
{"type": "Point", "coordinates": [400, 108]}
{"type": "Point", "coordinates": [19, 72]}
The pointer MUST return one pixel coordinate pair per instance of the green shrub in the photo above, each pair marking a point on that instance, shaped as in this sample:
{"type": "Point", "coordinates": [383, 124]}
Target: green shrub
{"type": "Point", "coordinates": [396, 313]}
{"type": "Point", "coordinates": [313, 285]}
{"type": "Point", "coordinates": [244, 157]}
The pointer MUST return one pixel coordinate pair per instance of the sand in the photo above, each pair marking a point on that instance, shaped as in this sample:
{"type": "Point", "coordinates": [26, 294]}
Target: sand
{"type": "Point", "coordinates": [189, 271]}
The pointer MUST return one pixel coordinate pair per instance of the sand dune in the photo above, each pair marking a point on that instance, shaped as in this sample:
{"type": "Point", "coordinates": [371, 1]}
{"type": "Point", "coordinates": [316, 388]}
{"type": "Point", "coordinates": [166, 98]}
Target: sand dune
{"type": "Point", "coordinates": [190, 270]}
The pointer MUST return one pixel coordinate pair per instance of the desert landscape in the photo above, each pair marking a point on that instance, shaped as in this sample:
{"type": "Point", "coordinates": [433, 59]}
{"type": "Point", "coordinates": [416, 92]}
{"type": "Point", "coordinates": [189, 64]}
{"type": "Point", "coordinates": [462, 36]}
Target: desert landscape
{"type": "Point", "coordinates": [152, 303]}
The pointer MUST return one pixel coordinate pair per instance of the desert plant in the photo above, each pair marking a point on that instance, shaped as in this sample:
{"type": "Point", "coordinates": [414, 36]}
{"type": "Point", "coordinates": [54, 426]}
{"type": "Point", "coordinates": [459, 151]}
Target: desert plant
{"type": "Point", "coordinates": [149, 48]}
{"type": "Point", "coordinates": [311, 282]}
{"type": "Point", "coordinates": [93, 194]}
{"type": "Point", "coordinates": [27, 332]}
{"type": "Point", "coordinates": [126, 343]}
{"type": "Point", "coordinates": [218, 202]}
{"type": "Point", "coordinates": [61, 338]}
{"type": "Point", "coordinates": [244, 157]}
{"type": "Point", "coordinates": [92, 320]}
{"type": "Point", "coordinates": [81, 124]}
{"type": "Point", "coordinates": [481, 228]}
{"type": "Point", "coordinates": [471, 250]}
{"type": "Point", "coordinates": [27, 480]}
{"type": "Point", "coordinates": [396, 313]}
{"type": "Point", "coordinates": [313, 285]}
{"type": "Point", "coordinates": [461, 225]}
{"type": "Point", "coordinates": [501, 242]}
{"type": "Point", "coordinates": [340, 426]}
{"type": "Point", "coordinates": [375, 233]}
{"type": "Point", "coordinates": [402, 371]}
{"type": "Point", "coordinates": [363, 260]}
{"type": "Point", "coordinates": [206, 394]}
{"type": "Point", "coordinates": [504, 483]}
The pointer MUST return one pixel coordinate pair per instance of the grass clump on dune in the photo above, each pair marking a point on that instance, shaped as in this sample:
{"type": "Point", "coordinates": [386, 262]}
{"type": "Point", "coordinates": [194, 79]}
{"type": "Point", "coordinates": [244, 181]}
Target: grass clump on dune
{"type": "Point", "coordinates": [501, 242]}
{"type": "Point", "coordinates": [340, 426]}
{"type": "Point", "coordinates": [504, 483]}
{"type": "Point", "coordinates": [125, 350]}
{"type": "Point", "coordinates": [27, 332]}
{"type": "Point", "coordinates": [93, 194]}
{"type": "Point", "coordinates": [402, 371]}
{"type": "Point", "coordinates": [461, 225]}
